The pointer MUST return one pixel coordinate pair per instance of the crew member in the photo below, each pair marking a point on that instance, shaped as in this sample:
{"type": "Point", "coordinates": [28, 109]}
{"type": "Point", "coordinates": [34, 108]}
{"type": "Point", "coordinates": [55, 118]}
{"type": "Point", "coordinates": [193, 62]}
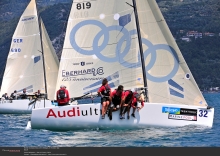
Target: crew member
{"type": "Point", "coordinates": [62, 96]}
{"type": "Point", "coordinates": [38, 95]}
{"type": "Point", "coordinates": [5, 96]}
{"type": "Point", "coordinates": [116, 100]}
{"type": "Point", "coordinates": [104, 91]}
{"type": "Point", "coordinates": [126, 103]}
{"type": "Point", "coordinates": [135, 103]}
{"type": "Point", "coordinates": [24, 94]}
{"type": "Point", "coordinates": [14, 95]}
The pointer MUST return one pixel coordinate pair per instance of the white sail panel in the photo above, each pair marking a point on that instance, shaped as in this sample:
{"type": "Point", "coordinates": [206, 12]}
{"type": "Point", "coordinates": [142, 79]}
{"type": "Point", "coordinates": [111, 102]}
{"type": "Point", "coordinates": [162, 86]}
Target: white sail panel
{"type": "Point", "coordinates": [101, 42]}
{"type": "Point", "coordinates": [51, 63]}
{"type": "Point", "coordinates": [24, 67]}
{"type": "Point", "coordinates": [169, 79]}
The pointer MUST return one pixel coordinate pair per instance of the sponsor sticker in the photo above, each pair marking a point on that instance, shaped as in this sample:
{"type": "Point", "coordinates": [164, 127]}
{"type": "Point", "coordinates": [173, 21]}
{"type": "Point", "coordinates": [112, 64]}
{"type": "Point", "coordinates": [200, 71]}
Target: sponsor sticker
{"type": "Point", "coordinates": [171, 110]}
{"type": "Point", "coordinates": [82, 63]}
{"type": "Point", "coordinates": [182, 117]}
{"type": "Point", "coordinates": [92, 71]}
{"type": "Point", "coordinates": [28, 18]}
{"type": "Point", "coordinates": [188, 111]}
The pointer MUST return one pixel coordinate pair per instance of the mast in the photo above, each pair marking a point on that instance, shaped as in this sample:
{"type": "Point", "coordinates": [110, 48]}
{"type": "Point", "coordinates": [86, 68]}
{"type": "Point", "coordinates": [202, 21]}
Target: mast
{"type": "Point", "coordinates": [42, 52]}
{"type": "Point", "coordinates": [140, 46]}
{"type": "Point", "coordinates": [45, 80]}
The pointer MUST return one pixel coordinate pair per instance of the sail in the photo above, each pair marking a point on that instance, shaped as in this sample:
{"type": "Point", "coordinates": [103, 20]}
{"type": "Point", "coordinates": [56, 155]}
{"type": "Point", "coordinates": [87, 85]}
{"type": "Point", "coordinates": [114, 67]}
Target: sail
{"type": "Point", "coordinates": [24, 66]}
{"type": "Point", "coordinates": [51, 63]}
{"type": "Point", "coordinates": [169, 79]}
{"type": "Point", "coordinates": [101, 42]}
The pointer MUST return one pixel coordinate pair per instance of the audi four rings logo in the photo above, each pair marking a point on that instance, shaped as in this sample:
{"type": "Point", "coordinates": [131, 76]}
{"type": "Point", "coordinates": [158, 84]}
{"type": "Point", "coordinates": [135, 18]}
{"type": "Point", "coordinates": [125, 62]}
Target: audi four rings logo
{"type": "Point", "coordinates": [127, 38]}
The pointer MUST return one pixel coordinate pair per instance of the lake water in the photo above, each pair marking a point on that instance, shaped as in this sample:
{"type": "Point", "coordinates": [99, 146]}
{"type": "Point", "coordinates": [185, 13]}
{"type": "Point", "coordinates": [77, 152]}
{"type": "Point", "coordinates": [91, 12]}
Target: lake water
{"type": "Point", "coordinates": [14, 133]}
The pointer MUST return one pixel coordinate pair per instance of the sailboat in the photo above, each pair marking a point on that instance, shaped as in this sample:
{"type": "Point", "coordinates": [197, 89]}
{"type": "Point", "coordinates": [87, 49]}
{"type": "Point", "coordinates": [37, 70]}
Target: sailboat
{"type": "Point", "coordinates": [129, 43]}
{"type": "Point", "coordinates": [31, 64]}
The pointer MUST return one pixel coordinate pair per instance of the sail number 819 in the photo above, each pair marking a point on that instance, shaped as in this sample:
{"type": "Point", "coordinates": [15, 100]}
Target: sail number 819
{"type": "Point", "coordinates": [80, 6]}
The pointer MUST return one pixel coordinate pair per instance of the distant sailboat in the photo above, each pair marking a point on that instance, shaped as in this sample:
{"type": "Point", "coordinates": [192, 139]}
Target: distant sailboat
{"type": "Point", "coordinates": [32, 64]}
{"type": "Point", "coordinates": [129, 44]}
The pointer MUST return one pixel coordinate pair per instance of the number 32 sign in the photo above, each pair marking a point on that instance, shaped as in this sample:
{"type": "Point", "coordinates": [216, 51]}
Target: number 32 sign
{"type": "Point", "coordinates": [203, 113]}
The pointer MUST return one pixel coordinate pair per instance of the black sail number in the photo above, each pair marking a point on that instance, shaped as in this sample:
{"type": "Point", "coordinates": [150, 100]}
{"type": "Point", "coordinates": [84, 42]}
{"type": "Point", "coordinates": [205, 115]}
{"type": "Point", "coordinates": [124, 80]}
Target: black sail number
{"type": "Point", "coordinates": [86, 5]}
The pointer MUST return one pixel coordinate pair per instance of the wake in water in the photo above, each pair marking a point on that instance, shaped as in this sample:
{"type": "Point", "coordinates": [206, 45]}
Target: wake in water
{"type": "Point", "coordinates": [28, 127]}
{"type": "Point", "coordinates": [152, 136]}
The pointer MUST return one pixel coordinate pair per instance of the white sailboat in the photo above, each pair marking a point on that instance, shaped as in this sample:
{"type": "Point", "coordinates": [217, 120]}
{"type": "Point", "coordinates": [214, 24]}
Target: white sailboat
{"type": "Point", "coordinates": [129, 43]}
{"type": "Point", "coordinates": [31, 62]}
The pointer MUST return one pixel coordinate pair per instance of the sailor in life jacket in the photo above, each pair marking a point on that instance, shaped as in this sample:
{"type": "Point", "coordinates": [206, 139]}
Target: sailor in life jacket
{"type": "Point", "coordinates": [126, 103]}
{"type": "Point", "coordinates": [116, 100]}
{"type": "Point", "coordinates": [24, 94]}
{"type": "Point", "coordinates": [137, 103]}
{"type": "Point", "coordinates": [14, 95]}
{"type": "Point", "coordinates": [104, 91]}
{"type": "Point", "coordinates": [62, 96]}
{"type": "Point", "coordinates": [5, 96]}
{"type": "Point", "coordinates": [38, 95]}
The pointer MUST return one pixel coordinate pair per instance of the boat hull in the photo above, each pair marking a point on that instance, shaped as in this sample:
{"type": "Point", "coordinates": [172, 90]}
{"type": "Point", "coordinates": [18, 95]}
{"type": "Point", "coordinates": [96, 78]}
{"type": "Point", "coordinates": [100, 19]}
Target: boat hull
{"type": "Point", "coordinates": [88, 116]}
{"type": "Point", "coordinates": [21, 106]}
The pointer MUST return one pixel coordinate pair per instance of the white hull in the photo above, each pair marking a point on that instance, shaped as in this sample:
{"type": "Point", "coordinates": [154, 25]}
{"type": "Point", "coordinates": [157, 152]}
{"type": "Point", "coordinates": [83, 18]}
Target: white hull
{"type": "Point", "coordinates": [21, 106]}
{"type": "Point", "coordinates": [63, 118]}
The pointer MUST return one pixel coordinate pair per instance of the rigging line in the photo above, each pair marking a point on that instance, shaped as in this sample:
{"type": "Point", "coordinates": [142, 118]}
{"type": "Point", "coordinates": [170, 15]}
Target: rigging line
{"type": "Point", "coordinates": [121, 30]}
{"type": "Point", "coordinates": [123, 27]}
{"type": "Point", "coordinates": [140, 45]}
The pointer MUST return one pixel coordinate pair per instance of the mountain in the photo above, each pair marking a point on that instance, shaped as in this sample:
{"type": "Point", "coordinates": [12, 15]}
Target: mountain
{"type": "Point", "coordinates": [201, 54]}
{"type": "Point", "coordinates": [201, 15]}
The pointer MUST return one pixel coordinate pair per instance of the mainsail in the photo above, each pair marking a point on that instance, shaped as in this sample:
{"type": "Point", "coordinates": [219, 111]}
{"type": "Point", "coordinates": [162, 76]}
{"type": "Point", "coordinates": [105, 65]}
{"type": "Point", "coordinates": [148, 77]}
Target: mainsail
{"type": "Point", "coordinates": [169, 79]}
{"type": "Point", "coordinates": [24, 67]}
{"type": "Point", "coordinates": [101, 42]}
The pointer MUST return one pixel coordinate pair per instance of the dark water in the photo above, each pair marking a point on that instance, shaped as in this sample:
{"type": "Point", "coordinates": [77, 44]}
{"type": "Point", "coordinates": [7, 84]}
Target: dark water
{"type": "Point", "coordinates": [14, 133]}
